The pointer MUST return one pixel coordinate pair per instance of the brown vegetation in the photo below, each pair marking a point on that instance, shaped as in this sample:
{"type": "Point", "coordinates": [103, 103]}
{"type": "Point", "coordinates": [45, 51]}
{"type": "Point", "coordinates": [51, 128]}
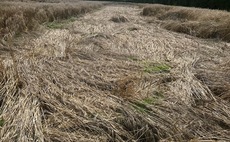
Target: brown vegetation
{"type": "Point", "coordinates": [97, 80]}
{"type": "Point", "coordinates": [202, 23]}
{"type": "Point", "coordinates": [17, 17]}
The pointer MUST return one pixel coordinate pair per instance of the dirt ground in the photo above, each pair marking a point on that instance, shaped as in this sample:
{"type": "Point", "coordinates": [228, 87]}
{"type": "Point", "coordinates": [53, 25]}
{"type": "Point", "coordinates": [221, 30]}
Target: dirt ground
{"type": "Point", "coordinates": [113, 76]}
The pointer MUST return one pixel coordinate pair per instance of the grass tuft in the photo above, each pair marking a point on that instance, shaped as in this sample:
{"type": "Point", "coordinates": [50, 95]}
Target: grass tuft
{"type": "Point", "coordinates": [59, 24]}
{"type": "Point", "coordinates": [157, 68]}
{"type": "Point", "coordinates": [2, 121]}
{"type": "Point", "coordinates": [140, 107]}
{"type": "Point", "coordinates": [54, 25]}
{"type": "Point", "coordinates": [155, 98]}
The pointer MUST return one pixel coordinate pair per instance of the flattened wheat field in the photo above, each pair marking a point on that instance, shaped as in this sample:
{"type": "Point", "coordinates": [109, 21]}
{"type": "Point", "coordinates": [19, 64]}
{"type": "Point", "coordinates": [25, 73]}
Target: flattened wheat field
{"type": "Point", "coordinates": [114, 75]}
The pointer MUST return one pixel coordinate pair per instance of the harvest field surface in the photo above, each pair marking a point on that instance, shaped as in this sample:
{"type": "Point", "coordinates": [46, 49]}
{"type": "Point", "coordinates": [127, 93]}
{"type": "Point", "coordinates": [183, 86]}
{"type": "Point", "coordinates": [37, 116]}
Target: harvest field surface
{"type": "Point", "coordinates": [113, 72]}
